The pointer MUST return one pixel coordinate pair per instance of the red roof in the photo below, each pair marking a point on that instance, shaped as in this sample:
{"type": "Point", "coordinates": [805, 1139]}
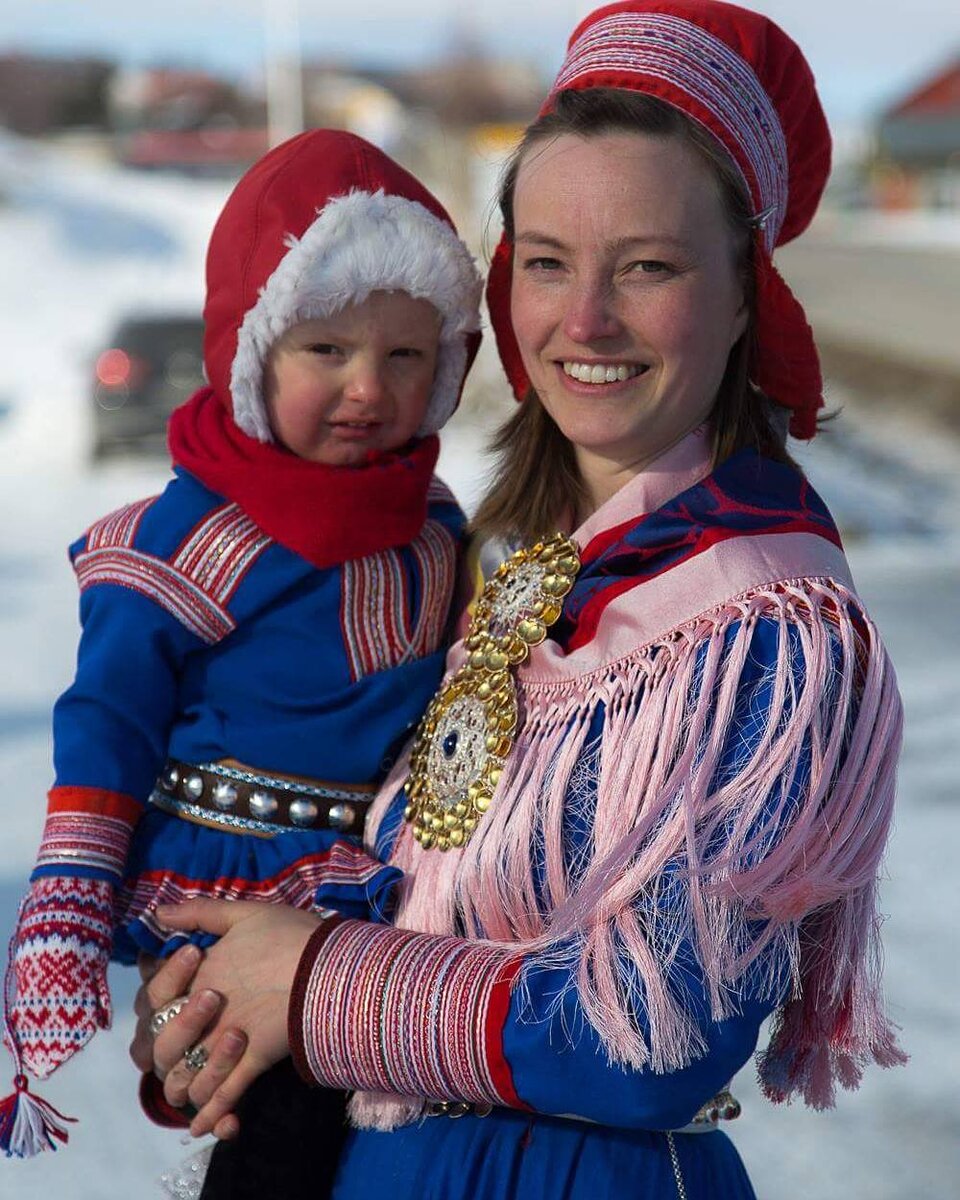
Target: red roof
{"type": "Point", "coordinates": [939, 95]}
{"type": "Point", "coordinates": [194, 147]}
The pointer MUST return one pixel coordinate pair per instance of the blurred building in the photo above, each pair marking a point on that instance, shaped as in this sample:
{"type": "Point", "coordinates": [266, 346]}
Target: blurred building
{"type": "Point", "coordinates": [169, 119]}
{"type": "Point", "coordinates": [918, 145]}
{"type": "Point", "coordinates": [336, 96]}
{"type": "Point", "coordinates": [451, 123]}
{"type": "Point", "coordinates": [44, 95]}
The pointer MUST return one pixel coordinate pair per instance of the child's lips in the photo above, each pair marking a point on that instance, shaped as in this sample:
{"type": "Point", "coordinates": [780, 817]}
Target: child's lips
{"type": "Point", "coordinates": [354, 431]}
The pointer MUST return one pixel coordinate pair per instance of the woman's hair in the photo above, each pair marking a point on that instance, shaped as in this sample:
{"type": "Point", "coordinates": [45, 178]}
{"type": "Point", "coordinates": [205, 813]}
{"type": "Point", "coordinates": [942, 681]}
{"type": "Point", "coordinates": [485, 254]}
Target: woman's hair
{"type": "Point", "coordinates": [536, 481]}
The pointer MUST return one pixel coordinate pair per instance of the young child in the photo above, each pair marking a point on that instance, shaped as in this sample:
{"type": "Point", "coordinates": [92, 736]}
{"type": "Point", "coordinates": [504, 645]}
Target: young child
{"type": "Point", "coordinates": [258, 638]}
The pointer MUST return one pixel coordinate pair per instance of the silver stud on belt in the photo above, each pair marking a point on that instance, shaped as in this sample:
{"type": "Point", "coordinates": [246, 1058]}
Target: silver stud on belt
{"type": "Point", "coordinates": [241, 799]}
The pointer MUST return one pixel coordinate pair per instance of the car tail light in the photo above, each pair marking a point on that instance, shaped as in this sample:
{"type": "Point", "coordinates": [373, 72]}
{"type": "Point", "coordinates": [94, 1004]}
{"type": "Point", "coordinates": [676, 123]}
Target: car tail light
{"type": "Point", "coordinates": [114, 368]}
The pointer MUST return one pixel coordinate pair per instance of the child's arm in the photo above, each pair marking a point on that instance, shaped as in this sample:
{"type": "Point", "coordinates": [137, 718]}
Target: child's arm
{"type": "Point", "coordinates": [110, 737]}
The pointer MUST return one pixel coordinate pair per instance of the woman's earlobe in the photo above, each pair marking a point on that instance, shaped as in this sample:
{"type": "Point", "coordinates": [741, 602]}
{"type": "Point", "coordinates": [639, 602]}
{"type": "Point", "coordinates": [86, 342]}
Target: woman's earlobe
{"type": "Point", "coordinates": [740, 323]}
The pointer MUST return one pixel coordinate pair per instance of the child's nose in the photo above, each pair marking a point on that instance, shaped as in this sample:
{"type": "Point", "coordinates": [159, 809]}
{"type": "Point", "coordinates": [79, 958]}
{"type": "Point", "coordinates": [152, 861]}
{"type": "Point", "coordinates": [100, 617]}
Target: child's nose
{"type": "Point", "coordinates": [366, 384]}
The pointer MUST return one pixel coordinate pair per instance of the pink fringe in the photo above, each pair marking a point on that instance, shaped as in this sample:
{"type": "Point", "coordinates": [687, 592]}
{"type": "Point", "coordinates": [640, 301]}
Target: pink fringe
{"type": "Point", "coordinates": [777, 898]}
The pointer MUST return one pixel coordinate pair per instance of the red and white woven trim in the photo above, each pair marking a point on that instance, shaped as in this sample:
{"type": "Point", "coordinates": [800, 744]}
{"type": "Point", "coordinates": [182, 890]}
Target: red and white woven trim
{"type": "Point", "coordinates": [704, 67]}
{"type": "Point", "coordinates": [89, 828]}
{"type": "Point", "coordinates": [84, 840]}
{"type": "Point", "coordinates": [219, 552]}
{"type": "Point", "coordinates": [159, 582]}
{"type": "Point", "coordinates": [379, 596]}
{"type": "Point", "coordinates": [347, 863]}
{"type": "Point", "coordinates": [197, 585]}
{"type": "Point", "coordinates": [390, 1010]}
{"type": "Point", "coordinates": [435, 551]}
{"type": "Point", "coordinates": [439, 493]}
{"type": "Point", "coordinates": [296, 885]}
{"type": "Point", "coordinates": [374, 611]}
{"type": "Point", "coordinates": [118, 528]}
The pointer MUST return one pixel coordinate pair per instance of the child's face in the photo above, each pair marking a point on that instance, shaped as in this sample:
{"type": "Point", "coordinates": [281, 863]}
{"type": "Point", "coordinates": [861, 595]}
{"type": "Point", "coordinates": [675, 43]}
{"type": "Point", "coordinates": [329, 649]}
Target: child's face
{"type": "Point", "coordinates": [338, 388]}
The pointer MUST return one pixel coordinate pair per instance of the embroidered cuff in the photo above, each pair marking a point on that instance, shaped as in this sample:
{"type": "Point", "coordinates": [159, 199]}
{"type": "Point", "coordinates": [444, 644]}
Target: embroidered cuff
{"type": "Point", "coordinates": [382, 1009]}
{"type": "Point", "coordinates": [87, 833]}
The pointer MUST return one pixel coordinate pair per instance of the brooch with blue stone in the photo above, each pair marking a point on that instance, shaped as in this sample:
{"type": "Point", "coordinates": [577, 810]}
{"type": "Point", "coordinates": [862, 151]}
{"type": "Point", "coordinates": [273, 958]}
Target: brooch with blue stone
{"type": "Point", "coordinates": [469, 727]}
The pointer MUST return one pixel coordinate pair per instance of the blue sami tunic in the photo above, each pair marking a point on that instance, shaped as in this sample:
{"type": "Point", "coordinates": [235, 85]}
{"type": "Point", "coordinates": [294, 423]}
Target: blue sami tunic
{"type": "Point", "coordinates": [608, 1145]}
{"type": "Point", "coordinates": [203, 639]}
{"type": "Point", "coordinates": [570, 1123]}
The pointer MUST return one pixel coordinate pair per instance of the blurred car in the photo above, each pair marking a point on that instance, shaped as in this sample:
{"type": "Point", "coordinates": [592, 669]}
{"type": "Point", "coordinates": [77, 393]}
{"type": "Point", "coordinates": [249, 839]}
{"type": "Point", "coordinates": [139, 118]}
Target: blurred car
{"type": "Point", "coordinates": [151, 364]}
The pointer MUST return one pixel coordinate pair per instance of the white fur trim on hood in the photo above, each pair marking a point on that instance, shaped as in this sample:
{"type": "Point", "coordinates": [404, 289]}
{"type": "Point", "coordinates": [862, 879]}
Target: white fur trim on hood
{"type": "Point", "coordinates": [360, 243]}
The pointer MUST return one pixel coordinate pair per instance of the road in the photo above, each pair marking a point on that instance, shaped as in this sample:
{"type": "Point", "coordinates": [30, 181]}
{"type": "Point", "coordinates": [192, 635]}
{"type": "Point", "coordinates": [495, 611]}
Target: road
{"type": "Point", "coordinates": [901, 302]}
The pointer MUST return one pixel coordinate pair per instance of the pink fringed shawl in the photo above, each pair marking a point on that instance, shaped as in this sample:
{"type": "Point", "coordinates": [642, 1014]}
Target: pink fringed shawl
{"type": "Point", "coordinates": [778, 896]}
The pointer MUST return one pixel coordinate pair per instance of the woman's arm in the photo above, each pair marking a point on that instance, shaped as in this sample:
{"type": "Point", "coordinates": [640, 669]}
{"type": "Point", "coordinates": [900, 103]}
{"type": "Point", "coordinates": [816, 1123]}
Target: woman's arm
{"type": "Point", "coordinates": [447, 1018]}
{"type": "Point", "coordinates": [375, 1008]}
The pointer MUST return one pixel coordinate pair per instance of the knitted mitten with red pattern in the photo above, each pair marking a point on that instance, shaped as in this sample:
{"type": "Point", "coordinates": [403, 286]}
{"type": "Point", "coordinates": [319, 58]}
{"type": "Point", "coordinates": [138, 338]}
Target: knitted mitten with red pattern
{"type": "Point", "coordinates": [62, 944]}
{"type": "Point", "coordinates": [62, 949]}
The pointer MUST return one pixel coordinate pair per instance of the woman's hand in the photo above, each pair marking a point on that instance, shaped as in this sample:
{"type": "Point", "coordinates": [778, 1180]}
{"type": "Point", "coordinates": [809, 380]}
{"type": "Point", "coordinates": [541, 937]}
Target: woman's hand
{"type": "Point", "coordinates": [240, 995]}
{"type": "Point", "coordinates": [164, 981]}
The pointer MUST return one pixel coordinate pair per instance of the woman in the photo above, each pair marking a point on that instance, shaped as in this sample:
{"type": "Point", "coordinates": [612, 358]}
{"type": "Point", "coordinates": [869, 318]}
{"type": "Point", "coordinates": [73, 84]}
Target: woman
{"type": "Point", "coordinates": [628, 842]}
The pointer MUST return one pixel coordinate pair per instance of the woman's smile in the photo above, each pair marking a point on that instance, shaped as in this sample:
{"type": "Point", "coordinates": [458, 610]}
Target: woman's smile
{"type": "Point", "coordinates": [601, 374]}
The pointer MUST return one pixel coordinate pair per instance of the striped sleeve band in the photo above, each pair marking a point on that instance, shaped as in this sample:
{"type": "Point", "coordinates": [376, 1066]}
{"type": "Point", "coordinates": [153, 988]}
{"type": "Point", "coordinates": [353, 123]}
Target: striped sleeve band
{"type": "Point", "coordinates": [382, 1009]}
{"type": "Point", "coordinates": [87, 833]}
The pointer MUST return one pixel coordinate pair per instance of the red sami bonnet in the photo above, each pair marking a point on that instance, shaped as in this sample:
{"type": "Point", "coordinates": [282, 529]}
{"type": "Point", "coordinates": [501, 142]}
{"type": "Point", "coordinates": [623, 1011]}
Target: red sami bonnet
{"type": "Point", "coordinates": [316, 225]}
{"type": "Point", "coordinates": [740, 76]}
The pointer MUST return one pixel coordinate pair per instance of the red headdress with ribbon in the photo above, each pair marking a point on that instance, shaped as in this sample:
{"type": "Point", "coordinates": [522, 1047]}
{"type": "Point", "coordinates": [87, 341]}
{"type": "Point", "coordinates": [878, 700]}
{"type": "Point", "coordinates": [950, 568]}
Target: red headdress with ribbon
{"type": "Point", "coordinates": [742, 78]}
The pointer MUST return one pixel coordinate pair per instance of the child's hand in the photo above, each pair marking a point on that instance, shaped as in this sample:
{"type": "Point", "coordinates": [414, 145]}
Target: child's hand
{"type": "Point", "coordinates": [61, 953]}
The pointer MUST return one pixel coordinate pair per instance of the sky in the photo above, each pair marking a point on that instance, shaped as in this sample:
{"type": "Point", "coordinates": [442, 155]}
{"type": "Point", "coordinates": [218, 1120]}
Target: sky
{"type": "Point", "coordinates": [864, 53]}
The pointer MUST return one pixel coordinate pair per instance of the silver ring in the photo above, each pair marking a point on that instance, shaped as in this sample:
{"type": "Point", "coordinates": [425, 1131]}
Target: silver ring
{"type": "Point", "coordinates": [166, 1013]}
{"type": "Point", "coordinates": [196, 1057]}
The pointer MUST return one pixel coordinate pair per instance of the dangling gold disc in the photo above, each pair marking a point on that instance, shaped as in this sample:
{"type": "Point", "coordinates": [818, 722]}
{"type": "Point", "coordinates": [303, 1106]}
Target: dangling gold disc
{"type": "Point", "coordinates": [468, 729]}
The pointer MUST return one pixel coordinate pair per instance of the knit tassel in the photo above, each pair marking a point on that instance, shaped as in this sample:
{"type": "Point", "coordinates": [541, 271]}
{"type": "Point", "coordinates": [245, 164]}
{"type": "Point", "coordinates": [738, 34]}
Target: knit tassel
{"type": "Point", "coordinates": [763, 874]}
{"type": "Point", "coordinates": [28, 1124]}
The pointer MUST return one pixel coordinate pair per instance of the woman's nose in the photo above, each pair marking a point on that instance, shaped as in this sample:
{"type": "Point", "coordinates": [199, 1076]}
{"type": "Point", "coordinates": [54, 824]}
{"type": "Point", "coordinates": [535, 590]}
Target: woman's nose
{"type": "Point", "coordinates": [591, 313]}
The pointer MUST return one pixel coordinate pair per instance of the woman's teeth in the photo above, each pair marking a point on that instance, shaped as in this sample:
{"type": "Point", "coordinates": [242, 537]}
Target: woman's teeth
{"type": "Point", "coordinates": [598, 373]}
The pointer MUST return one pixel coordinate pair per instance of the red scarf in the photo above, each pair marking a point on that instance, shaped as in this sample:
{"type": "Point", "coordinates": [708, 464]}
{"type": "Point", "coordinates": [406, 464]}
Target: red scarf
{"type": "Point", "coordinates": [325, 514]}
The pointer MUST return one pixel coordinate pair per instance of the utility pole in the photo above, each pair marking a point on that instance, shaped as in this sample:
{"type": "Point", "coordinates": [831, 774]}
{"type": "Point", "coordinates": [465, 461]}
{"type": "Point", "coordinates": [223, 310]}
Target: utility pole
{"type": "Point", "coordinates": [281, 19]}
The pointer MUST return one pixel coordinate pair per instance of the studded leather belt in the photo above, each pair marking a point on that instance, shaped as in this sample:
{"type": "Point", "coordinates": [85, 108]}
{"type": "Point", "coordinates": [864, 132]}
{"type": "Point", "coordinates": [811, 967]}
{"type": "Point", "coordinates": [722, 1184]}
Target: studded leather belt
{"type": "Point", "coordinates": [229, 795]}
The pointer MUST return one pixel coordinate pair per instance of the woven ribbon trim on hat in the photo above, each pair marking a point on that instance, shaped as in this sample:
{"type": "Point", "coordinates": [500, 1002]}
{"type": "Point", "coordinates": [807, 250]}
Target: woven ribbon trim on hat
{"type": "Point", "coordinates": [687, 57]}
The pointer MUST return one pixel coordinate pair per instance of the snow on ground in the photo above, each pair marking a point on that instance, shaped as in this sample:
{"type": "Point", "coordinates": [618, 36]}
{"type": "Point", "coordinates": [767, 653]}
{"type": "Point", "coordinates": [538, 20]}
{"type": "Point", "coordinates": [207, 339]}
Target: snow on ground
{"type": "Point", "coordinates": [896, 1137]}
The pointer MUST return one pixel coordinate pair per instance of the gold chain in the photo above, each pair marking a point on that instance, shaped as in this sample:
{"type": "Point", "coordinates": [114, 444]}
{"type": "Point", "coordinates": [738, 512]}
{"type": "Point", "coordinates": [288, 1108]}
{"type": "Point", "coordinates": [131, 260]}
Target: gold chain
{"type": "Point", "coordinates": [468, 729]}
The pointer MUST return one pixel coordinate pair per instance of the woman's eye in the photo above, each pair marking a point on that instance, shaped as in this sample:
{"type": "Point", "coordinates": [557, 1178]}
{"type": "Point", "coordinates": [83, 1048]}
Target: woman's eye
{"type": "Point", "coordinates": [542, 263]}
{"type": "Point", "coordinates": [651, 266]}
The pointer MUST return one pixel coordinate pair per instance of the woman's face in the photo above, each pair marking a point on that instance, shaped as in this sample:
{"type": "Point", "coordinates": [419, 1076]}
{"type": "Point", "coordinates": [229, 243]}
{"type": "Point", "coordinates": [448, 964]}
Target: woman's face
{"type": "Point", "coordinates": [625, 297]}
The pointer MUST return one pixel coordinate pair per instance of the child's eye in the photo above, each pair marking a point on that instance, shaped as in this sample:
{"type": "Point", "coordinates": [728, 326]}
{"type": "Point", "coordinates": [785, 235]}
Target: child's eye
{"type": "Point", "coordinates": [323, 348]}
{"type": "Point", "coordinates": [406, 352]}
